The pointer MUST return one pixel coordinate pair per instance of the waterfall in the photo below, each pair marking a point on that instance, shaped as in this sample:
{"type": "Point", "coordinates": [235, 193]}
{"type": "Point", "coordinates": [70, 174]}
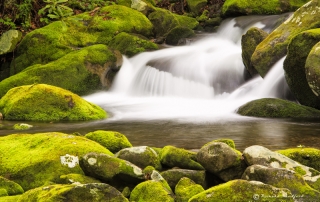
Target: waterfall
{"type": "Point", "coordinates": [202, 81]}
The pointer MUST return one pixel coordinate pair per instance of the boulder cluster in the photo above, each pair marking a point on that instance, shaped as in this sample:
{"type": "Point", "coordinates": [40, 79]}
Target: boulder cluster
{"type": "Point", "coordinates": [104, 166]}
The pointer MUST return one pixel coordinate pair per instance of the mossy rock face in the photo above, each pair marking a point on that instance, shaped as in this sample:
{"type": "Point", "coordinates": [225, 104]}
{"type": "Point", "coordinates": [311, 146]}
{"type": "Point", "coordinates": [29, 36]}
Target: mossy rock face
{"type": "Point", "coordinates": [81, 71]}
{"type": "Point", "coordinates": [33, 160]}
{"type": "Point", "coordinates": [306, 156]}
{"type": "Point", "coordinates": [142, 157]}
{"type": "Point", "coordinates": [277, 108]}
{"type": "Point", "coordinates": [283, 178]}
{"type": "Point", "coordinates": [312, 70]}
{"type": "Point", "coordinates": [85, 192]}
{"type": "Point", "coordinates": [249, 42]}
{"type": "Point", "coordinates": [264, 7]}
{"type": "Point", "coordinates": [176, 157]}
{"type": "Point", "coordinates": [76, 179]}
{"type": "Point", "coordinates": [196, 6]}
{"type": "Point", "coordinates": [177, 34]}
{"type": "Point", "coordinates": [274, 47]}
{"type": "Point", "coordinates": [41, 102]}
{"type": "Point", "coordinates": [173, 176]}
{"type": "Point", "coordinates": [242, 190]}
{"type": "Point", "coordinates": [131, 45]}
{"type": "Point", "coordinates": [10, 187]}
{"type": "Point", "coordinates": [164, 21]}
{"type": "Point", "coordinates": [9, 40]}
{"type": "Point", "coordinates": [296, 70]}
{"type": "Point", "coordinates": [59, 38]}
{"type": "Point", "coordinates": [110, 169]}
{"type": "Point", "coordinates": [186, 188]}
{"type": "Point", "coordinates": [112, 140]}
{"type": "Point", "coordinates": [221, 160]}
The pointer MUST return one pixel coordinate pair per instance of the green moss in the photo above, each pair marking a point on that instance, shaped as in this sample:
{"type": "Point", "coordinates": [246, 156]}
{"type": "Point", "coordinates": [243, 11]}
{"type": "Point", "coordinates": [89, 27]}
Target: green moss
{"type": "Point", "coordinates": [10, 198]}
{"type": "Point", "coordinates": [9, 187]}
{"type": "Point", "coordinates": [300, 171]}
{"type": "Point", "coordinates": [9, 40]}
{"type": "Point", "coordinates": [113, 141]}
{"type": "Point", "coordinates": [22, 126]}
{"type": "Point", "coordinates": [178, 33]}
{"type": "Point", "coordinates": [196, 6]}
{"type": "Point", "coordinates": [42, 102]}
{"type": "Point", "coordinates": [131, 45]}
{"type": "Point", "coordinates": [33, 160]}
{"type": "Point", "coordinates": [78, 71]}
{"type": "Point", "coordinates": [3, 192]}
{"type": "Point", "coordinates": [277, 108]}
{"type": "Point", "coordinates": [186, 188]}
{"type": "Point", "coordinates": [229, 142]}
{"type": "Point", "coordinates": [76, 179]}
{"type": "Point", "coordinates": [306, 156]}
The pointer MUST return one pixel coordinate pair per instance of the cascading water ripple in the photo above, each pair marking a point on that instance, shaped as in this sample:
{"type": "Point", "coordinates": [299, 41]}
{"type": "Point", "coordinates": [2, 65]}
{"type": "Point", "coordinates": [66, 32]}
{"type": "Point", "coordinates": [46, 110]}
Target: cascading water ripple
{"type": "Point", "coordinates": [200, 82]}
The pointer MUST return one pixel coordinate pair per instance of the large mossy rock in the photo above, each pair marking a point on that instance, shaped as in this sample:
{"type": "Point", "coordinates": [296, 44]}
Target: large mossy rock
{"type": "Point", "coordinates": [263, 7]}
{"type": "Point", "coordinates": [249, 42]}
{"type": "Point", "coordinates": [81, 71]}
{"type": "Point", "coordinates": [186, 188]}
{"type": "Point", "coordinates": [242, 190]}
{"type": "Point", "coordinates": [112, 140]}
{"type": "Point", "coordinates": [306, 156]}
{"type": "Point", "coordinates": [277, 108]}
{"type": "Point", "coordinates": [93, 192]}
{"type": "Point", "coordinates": [9, 40]}
{"type": "Point", "coordinates": [33, 160]}
{"type": "Point", "coordinates": [9, 187]}
{"type": "Point", "coordinates": [196, 6]}
{"type": "Point", "coordinates": [59, 38]}
{"type": "Point", "coordinates": [41, 102]}
{"type": "Point", "coordinates": [274, 47]}
{"type": "Point", "coordinates": [296, 70]}
{"type": "Point", "coordinates": [313, 71]}
{"type": "Point", "coordinates": [177, 34]}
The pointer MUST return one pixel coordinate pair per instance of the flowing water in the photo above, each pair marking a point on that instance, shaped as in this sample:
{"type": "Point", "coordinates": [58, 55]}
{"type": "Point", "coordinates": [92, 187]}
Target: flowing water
{"type": "Point", "coordinates": [187, 96]}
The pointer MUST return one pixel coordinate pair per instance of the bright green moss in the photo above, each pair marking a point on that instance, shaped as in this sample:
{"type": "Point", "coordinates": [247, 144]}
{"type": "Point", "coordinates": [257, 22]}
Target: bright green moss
{"type": "Point", "coordinates": [113, 141]}
{"type": "Point", "coordinates": [300, 171]}
{"type": "Point", "coordinates": [33, 160]}
{"type": "Point", "coordinates": [186, 188]}
{"type": "Point", "coordinates": [42, 102]}
{"type": "Point", "coordinates": [229, 142]}
{"type": "Point", "coordinates": [9, 188]}
{"type": "Point", "coordinates": [22, 126]}
{"type": "Point", "coordinates": [10, 198]}
{"type": "Point", "coordinates": [76, 179]}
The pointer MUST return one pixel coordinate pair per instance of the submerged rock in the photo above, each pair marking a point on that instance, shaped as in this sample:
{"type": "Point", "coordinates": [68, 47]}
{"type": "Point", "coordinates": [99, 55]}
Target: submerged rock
{"type": "Point", "coordinates": [33, 160]}
{"type": "Point", "coordinates": [186, 188]}
{"type": "Point", "coordinates": [41, 102]}
{"type": "Point", "coordinates": [112, 140]}
{"type": "Point", "coordinates": [277, 108]}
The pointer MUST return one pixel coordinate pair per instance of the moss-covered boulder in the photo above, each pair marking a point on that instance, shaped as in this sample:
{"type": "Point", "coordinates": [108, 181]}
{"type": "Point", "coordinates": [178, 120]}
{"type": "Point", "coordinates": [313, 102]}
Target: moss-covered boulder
{"type": "Point", "coordinates": [9, 40]}
{"type": "Point", "coordinates": [110, 169]}
{"type": "Point", "coordinates": [176, 157]}
{"type": "Point", "coordinates": [33, 160]}
{"type": "Point", "coordinates": [164, 21]}
{"type": "Point", "coordinates": [306, 156]}
{"type": "Point", "coordinates": [229, 142]}
{"type": "Point", "coordinates": [281, 178]}
{"type": "Point", "coordinates": [277, 108]}
{"type": "Point", "coordinates": [59, 38]}
{"type": "Point", "coordinates": [173, 176]}
{"type": "Point", "coordinates": [41, 102]}
{"type": "Point", "coordinates": [177, 34]}
{"type": "Point", "coordinates": [112, 140]}
{"type": "Point", "coordinates": [264, 7]}
{"type": "Point", "coordinates": [81, 71]}
{"type": "Point", "coordinates": [196, 6]}
{"type": "Point", "coordinates": [142, 157]}
{"type": "Point", "coordinates": [242, 190]}
{"type": "Point", "coordinates": [274, 47]}
{"type": "Point", "coordinates": [221, 160]}
{"type": "Point", "coordinates": [155, 189]}
{"type": "Point", "coordinates": [130, 44]}
{"type": "Point", "coordinates": [75, 178]}
{"type": "Point", "coordinates": [9, 187]}
{"type": "Point", "coordinates": [249, 42]}
{"type": "Point", "coordinates": [296, 71]}
{"type": "Point", "coordinates": [312, 70]}
{"type": "Point", "coordinates": [85, 192]}
{"type": "Point", "coordinates": [186, 188]}
{"type": "Point", "coordinates": [22, 126]}
{"type": "Point", "coordinates": [10, 198]}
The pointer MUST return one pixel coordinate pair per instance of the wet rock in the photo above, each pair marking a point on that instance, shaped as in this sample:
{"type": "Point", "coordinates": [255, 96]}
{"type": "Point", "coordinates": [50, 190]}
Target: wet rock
{"type": "Point", "coordinates": [173, 176]}
{"type": "Point", "coordinates": [41, 102]}
{"type": "Point", "coordinates": [112, 140]}
{"type": "Point", "coordinates": [9, 41]}
{"type": "Point", "coordinates": [86, 192]}
{"type": "Point", "coordinates": [110, 169]}
{"type": "Point", "coordinates": [229, 142]}
{"type": "Point", "coordinates": [32, 160]}
{"type": "Point", "coordinates": [312, 69]}
{"type": "Point", "coordinates": [221, 160]}
{"type": "Point", "coordinates": [242, 190]}
{"type": "Point", "coordinates": [277, 108]}
{"type": "Point", "coordinates": [177, 34]}
{"type": "Point", "coordinates": [142, 156]}
{"type": "Point", "coordinates": [9, 187]}
{"type": "Point", "coordinates": [274, 47]}
{"type": "Point", "coordinates": [249, 42]}
{"type": "Point", "coordinates": [186, 188]}
{"type": "Point", "coordinates": [176, 157]}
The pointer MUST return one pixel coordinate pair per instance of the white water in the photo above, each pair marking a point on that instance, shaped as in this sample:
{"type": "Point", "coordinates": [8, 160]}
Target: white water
{"type": "Point", "coordinates": [199, 82]}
